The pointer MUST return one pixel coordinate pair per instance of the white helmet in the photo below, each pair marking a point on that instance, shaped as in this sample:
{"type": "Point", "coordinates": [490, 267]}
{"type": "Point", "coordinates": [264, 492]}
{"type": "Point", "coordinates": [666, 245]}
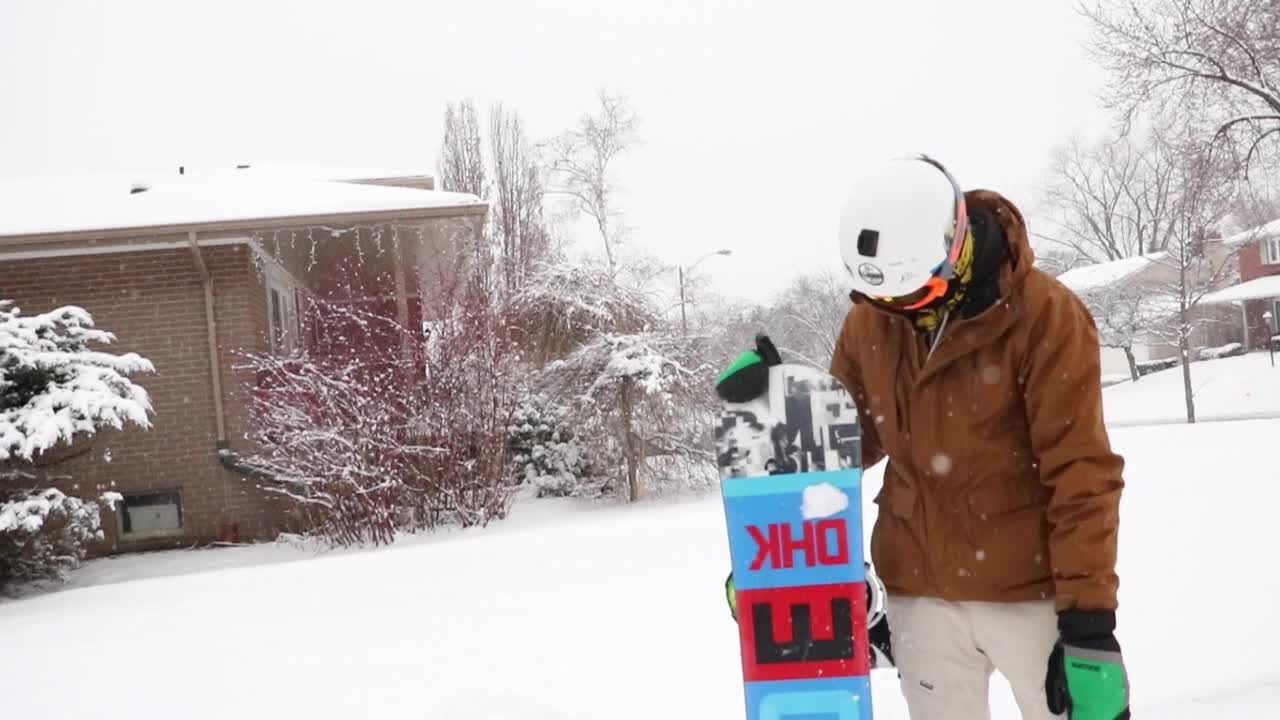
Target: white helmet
{"type": "Point", "coordinates": [901, 229]}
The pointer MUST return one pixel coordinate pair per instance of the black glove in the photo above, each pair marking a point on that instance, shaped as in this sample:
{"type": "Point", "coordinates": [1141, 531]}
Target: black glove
{"type": "Point", "coordinates": [1086, 677]}
{"type": "Point", "coordinates": [748, 376]}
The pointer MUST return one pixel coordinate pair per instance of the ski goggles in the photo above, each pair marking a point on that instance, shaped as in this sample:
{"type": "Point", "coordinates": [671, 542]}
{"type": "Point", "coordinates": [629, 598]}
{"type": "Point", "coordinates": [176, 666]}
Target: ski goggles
{"type": "Point", "coordinates": [940, 277]}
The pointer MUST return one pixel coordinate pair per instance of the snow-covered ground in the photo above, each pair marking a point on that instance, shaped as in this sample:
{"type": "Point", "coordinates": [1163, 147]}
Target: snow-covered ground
{"type": "Point", "coordinates": [565, 612]}
{"type": "Point", "coordinates": [1228, 389]}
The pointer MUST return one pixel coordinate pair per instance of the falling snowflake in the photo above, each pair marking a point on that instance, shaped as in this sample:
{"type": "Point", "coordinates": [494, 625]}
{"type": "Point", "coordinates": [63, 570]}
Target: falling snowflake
{"type": "Point", "coordinates": [941, 464]}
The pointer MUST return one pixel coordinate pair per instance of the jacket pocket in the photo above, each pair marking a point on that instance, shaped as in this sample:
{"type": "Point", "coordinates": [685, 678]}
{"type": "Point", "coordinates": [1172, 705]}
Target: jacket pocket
{"type": "Point", "coordinates": [1006, 530]}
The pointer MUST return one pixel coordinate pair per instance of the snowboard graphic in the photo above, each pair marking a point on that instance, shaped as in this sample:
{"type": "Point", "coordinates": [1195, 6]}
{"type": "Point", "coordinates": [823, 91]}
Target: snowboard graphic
{"type": "Point", "coordinates": [791, 481]}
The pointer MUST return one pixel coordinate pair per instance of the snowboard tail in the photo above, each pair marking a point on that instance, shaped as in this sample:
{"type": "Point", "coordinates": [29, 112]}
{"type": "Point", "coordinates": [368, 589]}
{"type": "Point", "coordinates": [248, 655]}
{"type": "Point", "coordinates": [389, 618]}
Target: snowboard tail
{"type": "Point", "coordinates": [791, 484]}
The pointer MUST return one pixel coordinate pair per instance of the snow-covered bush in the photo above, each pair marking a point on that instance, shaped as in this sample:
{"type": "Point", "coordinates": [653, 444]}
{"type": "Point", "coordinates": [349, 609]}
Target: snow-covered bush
{"type": "Point", "coordinates": [331, 435]}
{"type": "Point", "coordinates": [650, 400]}
{"type": "Point", "coordinates": [1147, 367]}
{"type": "Point", "coordinates": [53, 387]}
{"type": "Point", "coordinates": [381, 429]}
{"type": "Point", "coordinates": [472, 387]}
{"type": "Point", "coordinates": [1223, 351]}
{"type": "Point", "coordinates": [548, 453]}
{"type": "Point", "coordinates": [43, 534]}
{"type": "Point", "coordinates": [565, 304]}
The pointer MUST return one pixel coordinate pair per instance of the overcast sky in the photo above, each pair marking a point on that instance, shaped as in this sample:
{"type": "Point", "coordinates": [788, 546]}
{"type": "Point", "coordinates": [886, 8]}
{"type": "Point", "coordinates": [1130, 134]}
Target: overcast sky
{"type": "Point", "coordinates": [755, 114]}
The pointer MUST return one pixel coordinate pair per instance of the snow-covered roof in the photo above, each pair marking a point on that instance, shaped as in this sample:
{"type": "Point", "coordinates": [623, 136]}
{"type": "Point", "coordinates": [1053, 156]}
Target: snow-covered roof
{"type": "Point", "coordinates": [336, 173]}
{"type": "Point", "coordinates": [1267, 230]}
{"type": "Point", "coordinates": [1101, 275]}
{"type": "Point", "coordinates": [43, 205]}
{"type": "Point", "coordinates": [1267, 286]}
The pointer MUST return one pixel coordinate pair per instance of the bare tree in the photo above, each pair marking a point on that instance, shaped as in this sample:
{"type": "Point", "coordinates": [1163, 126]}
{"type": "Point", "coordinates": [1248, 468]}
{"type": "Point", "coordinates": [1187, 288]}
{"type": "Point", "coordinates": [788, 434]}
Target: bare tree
{"type": "Point", "coordinates": [1217, 57]}
{"type": "Point", "coordinates": [1259, 200]}
{"type": "Point", "coordinates": [1058, 260]}
{"type": "Point", "coordinates": [807, 315]}
{"type": "Point", "coordinates": [1124, 312]}
{"type": "Point", "coordinates": [462, 167]}
{"type": "Point", "coordinates": [1207, 188]}
{"type": "Point", "coordinates": [518, 227]}
{"type": "Point", "coordinates": [583, 160]}
{"type": "Point", "coordinates": [1111, 199]}
{"type": "Point", "coordinates": [1089, 198]}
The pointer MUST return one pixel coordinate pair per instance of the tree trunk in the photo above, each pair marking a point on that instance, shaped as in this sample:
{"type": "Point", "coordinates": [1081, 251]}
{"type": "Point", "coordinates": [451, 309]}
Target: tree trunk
{"type": "Point", "coordinates": [1185, 350]}
{"type": "Point", "coordinates": [1133, 363]}
{"type": "Point", "coordinates": [629, 442]}
{"type": "Point", "coordinates": [603, 224]}
{"type": "Point", "coordinates": [1184, 334]}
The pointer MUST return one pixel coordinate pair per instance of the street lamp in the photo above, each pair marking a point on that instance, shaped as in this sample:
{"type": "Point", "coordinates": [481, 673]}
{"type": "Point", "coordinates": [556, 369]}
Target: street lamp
{"type": "Point", "coordinates": [684, 323]}
{"type": "Point", "coordinates": [1273, 328]}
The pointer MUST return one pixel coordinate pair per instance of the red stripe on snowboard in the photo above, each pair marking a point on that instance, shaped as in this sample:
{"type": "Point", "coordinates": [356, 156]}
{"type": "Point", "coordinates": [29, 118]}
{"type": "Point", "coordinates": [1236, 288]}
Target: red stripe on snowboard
{"type": "Point", "coordinates": [781, 659]}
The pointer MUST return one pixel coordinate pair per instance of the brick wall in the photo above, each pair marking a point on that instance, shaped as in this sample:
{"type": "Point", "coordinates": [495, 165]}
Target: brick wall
{"type": "Point", "coordinates": [154, 302]}
{"type": "Point", "coordinates": [1251, 265]}
{"type": "Point", "coordinates": [1252, 268]}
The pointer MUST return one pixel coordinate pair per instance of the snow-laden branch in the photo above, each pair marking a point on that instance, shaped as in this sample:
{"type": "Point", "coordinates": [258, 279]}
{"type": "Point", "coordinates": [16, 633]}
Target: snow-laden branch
{"type": "Point", "coordinates": [53, 387]}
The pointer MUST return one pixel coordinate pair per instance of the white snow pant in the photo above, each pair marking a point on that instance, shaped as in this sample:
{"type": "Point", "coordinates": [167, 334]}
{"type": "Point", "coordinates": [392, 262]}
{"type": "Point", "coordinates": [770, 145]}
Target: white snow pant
{"type": "Point", "coordinates": [945, 653]}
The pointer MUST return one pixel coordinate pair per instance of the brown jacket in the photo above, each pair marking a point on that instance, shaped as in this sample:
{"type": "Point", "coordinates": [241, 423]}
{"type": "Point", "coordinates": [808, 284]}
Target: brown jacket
{"type": "Point", "coordinates": [1001, 483]}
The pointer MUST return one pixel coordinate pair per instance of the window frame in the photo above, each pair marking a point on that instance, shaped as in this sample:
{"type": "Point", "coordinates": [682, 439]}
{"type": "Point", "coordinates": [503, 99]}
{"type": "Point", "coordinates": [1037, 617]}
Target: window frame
{"type": "Point", "coordinates": [123, 522]}
{"type": "Point", "coordinates": [283, 333]}
{"type": "Point", "coordinates": [1271, 250]}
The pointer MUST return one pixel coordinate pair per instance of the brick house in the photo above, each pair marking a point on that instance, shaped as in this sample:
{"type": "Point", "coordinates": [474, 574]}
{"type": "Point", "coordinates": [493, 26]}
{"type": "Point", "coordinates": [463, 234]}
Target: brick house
{"type": "Point", "coordinates": [191, 270]}
{"type": "Point", "coordinates": [1257, 295]}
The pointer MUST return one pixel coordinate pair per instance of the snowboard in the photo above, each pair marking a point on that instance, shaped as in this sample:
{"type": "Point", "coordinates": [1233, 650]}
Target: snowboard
{"type": "Point", "coordinates": [791, 483]}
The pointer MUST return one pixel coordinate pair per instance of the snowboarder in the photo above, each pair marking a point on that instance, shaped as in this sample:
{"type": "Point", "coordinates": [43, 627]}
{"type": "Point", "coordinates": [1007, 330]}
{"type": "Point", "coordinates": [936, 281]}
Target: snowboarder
{"type": "Point", "coordinates": [979, 379]}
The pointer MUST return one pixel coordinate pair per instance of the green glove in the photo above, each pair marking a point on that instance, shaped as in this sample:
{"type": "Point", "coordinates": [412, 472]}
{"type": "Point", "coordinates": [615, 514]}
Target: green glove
{"type": "Point", "coordinates": [731, 594]}
{"type": "Point", "coordinates": [1086, 677]}
{"type": "Point", "coordinates": [748, 376]}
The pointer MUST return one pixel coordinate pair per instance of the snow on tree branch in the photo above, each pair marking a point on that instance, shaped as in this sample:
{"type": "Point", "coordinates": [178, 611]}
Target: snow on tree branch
{"type": "Point", "coordinates": [564, 303]}
{"type": "Point", "coordinates": [649, 390]}
{"type": "Point", "coordinates": [1218, 58]}
{"type": "Point", "coordinates": [54, 387]}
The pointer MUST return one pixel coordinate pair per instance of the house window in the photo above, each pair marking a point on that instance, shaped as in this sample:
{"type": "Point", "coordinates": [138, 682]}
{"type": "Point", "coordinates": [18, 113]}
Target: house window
{"type": "Point", "coordinates": [1271, 250]}
{"type": "Point", "coordinates": [151, 513]}
{"type": "Point", "coordinates": [282, 315]}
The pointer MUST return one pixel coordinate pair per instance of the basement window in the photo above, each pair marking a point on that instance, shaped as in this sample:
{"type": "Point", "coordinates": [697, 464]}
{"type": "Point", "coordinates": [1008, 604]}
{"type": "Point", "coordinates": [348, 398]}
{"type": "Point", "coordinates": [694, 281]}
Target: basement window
{"type": "Point", "coordinates": [148, 514]}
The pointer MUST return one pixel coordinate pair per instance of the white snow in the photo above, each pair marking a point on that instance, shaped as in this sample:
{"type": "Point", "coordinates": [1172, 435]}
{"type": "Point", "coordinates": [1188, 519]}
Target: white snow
{"type": "Point", "coordinates": [1267, 286]}
{"type": "Point", "coordinates": [1101, 275]}
{"type": "Point", "coordinates": [89, 390]}
{"type": "Point", "coordinates": [569, 611]}
{"type": "Point", "coordinates": [33, 205]}
{"type": "Point", "coordinates": [1240, 387]}
{"type": "Point", "coordinates": [1266, 230]}
{"type": "Point", "coordinates": [823, 500]}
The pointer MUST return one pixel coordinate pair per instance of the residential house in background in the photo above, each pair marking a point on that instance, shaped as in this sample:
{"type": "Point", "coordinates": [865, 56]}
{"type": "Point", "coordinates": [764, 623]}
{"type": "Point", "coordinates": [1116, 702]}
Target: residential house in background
{"type": "Point", "coordinates": [1257, 296]}
{"type": "Point", "coordinates": [191, 270]}
{"type": "Point", "coordinates": [1156, 274]}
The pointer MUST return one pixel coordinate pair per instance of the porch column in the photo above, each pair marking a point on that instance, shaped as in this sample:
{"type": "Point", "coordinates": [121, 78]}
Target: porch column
{"type": "Point", "coordinates": [1244, 320]}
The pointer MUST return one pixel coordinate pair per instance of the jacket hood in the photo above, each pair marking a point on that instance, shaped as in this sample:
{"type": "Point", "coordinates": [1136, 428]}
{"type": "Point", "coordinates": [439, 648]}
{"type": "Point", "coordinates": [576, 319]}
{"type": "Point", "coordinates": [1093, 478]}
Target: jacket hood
{"type": "Point", "coordinates": [1021, 255]}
